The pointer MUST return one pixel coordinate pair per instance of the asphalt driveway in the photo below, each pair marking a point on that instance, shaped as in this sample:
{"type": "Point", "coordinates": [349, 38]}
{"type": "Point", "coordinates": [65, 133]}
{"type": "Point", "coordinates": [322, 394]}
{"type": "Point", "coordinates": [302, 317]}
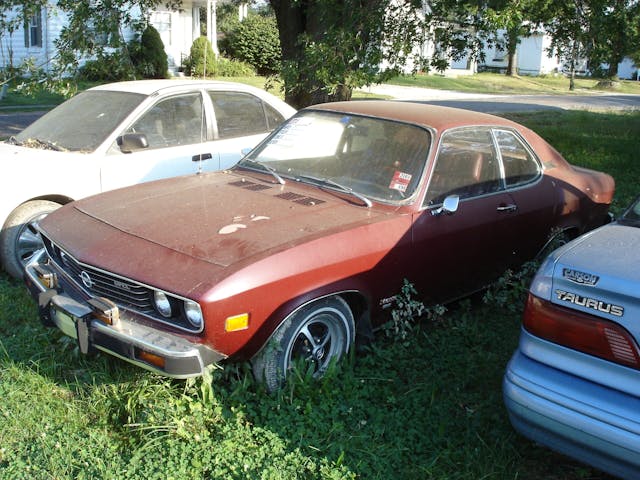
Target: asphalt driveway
{"type": "Point", "coordinates": [12, 123]}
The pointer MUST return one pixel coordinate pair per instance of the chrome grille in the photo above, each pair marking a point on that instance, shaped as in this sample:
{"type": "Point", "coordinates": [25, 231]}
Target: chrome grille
{"type": "Point", "coordinates": [102, 284]}
{"type": "Point", "coordinates": [128, 294]}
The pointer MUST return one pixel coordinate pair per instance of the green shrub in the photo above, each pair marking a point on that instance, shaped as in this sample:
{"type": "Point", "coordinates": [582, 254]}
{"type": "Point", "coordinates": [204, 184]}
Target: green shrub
{"type": "Point", "coordinates": [200, 52]}
{"type": "Point", "coordinates": [215, 66]}
{"type": "Point", "coordinates": [112, 68]}
{"type": "Point", "coordinates": [225, 67]}
{"type": "Point", "coordinates": [255, 41]}
{"type": "Point", "coordinates": [148, 55]}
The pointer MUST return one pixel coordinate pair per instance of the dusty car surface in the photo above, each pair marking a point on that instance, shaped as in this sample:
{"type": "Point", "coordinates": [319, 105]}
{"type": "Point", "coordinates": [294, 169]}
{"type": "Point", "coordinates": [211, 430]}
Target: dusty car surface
{"type": "Point", "coordinates": [573, 384]}
{"type": "Point", "coordinates": [121, 134]}
{"type": "Point", "coordinates": [306, 241]}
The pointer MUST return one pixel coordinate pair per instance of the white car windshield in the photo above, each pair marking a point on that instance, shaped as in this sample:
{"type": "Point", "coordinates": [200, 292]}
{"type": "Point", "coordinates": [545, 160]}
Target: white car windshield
{"type": "Point", "coordinates": [368, 157]}
{"type": "Point", "coordinates": [81, 123]}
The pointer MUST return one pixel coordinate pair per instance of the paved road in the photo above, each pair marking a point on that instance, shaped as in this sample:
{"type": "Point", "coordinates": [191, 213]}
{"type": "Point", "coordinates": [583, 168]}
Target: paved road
{"type": "Point", "coordinates": [12, 123]}
{"type": "Point", "coordinates": [509, 103]}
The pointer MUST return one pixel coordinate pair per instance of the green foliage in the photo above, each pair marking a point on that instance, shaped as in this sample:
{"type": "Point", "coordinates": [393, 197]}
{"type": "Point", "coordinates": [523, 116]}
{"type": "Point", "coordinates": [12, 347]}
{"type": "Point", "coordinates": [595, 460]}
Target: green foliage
{"type": "Point", "coordinates": [107, 67]}
{"type": "Point", "coordinates": [152, 59]}
{"type": "Point", "coordinates": [407, 311]}
{"type": "Point", "coordinates": [202, 62]}
{"type": "Point", "coordinates": [255, 41]}
{"type": "Point", "coordinates": [330, 47]}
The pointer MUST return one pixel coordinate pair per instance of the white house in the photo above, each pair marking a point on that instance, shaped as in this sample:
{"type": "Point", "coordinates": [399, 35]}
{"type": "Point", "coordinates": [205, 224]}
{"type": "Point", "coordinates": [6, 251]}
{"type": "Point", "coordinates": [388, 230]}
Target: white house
{"type": "Point", "coordinates": [532, 56]}
{"type": "Point", "coordinates": [178, 30]}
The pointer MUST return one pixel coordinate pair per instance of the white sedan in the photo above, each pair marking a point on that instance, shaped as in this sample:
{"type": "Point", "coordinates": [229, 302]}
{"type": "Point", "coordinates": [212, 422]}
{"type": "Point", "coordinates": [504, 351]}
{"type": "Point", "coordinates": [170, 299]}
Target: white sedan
{"type": "Point", "coordinates": [120, 134]}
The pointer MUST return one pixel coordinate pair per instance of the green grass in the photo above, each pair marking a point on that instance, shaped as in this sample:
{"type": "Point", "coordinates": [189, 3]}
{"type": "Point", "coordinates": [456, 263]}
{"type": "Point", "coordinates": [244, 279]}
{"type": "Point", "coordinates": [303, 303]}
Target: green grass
{"type": "Point", "coordinates": [427, 408]}
{"type": "Point", "coordinates": [502, 84]}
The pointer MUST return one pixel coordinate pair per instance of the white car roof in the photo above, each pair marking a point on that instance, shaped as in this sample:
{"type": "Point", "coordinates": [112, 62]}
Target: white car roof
{"type": "Point", "coordinates": [149, 87]}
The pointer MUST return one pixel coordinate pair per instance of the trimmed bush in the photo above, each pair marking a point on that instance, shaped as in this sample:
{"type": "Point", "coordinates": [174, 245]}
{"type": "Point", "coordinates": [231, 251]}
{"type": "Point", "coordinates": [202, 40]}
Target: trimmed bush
{"type": "Point", "coordinates": [215, 66]}
{"type": "Point", "coordinates": [151, 59]}
{"type": "Point", "coordinates": [200, 52]}
{"type": "Point", "coordinates": [255, 41]}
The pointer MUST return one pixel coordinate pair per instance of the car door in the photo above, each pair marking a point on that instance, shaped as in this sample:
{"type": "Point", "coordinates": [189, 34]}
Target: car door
{"type": "Point", "coordinates": [458, 252]}
{"type": "Point", "coordinates": [241, 121]}
{"type": "Point", "coordinates": [177, 140]}
{"type": "Point", "coordinates": [533, 195]}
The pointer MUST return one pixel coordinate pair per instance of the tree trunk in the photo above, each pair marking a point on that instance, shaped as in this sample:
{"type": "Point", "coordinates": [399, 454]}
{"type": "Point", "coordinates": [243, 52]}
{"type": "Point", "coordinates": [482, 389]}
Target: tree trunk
{"type": "Point", "coordinates": [512, 52]}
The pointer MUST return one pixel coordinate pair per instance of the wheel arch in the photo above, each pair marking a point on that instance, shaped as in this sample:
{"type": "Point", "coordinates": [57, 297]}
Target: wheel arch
{"type": "Point", "coordinates": [357, 301]}
{"type": "Point", "coordinates": [57, 198]}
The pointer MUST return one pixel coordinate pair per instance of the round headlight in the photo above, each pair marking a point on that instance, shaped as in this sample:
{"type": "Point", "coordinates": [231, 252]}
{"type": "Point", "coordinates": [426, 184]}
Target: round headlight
{"type": "Point", "coordinates": [162, 304]}
{"type": "Point", "coordinates": [193, 313]}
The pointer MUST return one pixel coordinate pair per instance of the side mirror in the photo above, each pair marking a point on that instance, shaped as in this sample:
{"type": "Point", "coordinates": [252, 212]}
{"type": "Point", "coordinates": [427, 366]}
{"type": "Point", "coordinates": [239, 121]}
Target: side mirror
{"type": "Point", "coordinates": [130, 142]}
{"type": "Point", "coordinates": [449, 206]}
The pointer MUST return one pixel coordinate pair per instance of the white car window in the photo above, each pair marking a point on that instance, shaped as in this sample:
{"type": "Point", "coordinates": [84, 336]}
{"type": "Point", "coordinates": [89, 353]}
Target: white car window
{"type": "Point", "coordinates": [238, 114]}
{"type": "Point", "coordinates": [172, 122]}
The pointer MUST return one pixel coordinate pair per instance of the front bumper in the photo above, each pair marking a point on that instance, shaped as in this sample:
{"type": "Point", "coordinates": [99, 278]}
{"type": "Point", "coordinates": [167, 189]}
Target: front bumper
{"type": "Point", "coordinates": [150, 348]}
{"type": "Point", "coordinates": [592, 423]}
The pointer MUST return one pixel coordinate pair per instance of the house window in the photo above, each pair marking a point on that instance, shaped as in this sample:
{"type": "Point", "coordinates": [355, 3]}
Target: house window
{"type": "Point", "coordinates": [162, 23]}
{"type": "Point", "coordinates": [33, 29]}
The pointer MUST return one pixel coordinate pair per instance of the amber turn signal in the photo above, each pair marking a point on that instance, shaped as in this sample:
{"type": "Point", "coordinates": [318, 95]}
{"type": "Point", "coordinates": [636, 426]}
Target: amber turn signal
{"type": "Point", "coordinates": [151, 358]}
{"type": "Point", "coordinates": [237, 322]}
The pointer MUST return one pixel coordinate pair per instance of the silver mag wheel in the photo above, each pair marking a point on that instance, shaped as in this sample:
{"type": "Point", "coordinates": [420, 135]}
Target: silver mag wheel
{"type": "Point", "coordinates": [316, 335]}
{"type": "Point", "coordinates": [19, 240]}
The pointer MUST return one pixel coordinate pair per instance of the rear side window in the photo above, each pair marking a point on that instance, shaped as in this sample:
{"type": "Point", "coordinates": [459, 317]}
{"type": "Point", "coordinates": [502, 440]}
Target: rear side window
{"type": "Point", "coordinates": [519, 164]}
{"type": "Point", "coordinates": [238, 114]}
{"type": "Point", "coordinates": [466, 165]}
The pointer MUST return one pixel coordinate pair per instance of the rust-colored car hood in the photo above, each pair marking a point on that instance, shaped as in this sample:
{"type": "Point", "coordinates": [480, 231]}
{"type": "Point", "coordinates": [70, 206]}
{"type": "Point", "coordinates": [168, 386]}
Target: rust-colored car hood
{"type": "Point", "coordinates": [225, 218]}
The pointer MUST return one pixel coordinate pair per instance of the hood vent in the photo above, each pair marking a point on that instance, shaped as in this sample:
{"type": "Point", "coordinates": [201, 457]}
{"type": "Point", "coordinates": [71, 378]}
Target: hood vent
{"type": "Point", "coordinates": [301, 199]}
{"type": "Point", "coordinates": [254, 187]}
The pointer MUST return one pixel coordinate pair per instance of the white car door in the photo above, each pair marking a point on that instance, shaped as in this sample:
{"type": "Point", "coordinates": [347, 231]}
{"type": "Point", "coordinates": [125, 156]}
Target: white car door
{"type": "Point", "coordinates": [175, 130]}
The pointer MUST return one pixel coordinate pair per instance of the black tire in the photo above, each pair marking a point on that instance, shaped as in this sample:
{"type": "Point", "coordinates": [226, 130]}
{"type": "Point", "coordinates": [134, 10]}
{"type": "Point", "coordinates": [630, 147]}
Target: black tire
{"type": "Point", "coordinates": [18, 239]}
{"type": "Point", "coordinates": [319, 333]}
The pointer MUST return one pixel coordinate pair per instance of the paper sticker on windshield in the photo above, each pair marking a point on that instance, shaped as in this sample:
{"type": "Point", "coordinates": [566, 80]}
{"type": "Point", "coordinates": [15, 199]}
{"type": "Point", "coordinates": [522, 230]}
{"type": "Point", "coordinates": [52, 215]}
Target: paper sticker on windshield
{"type": "Point", "coordinates": [400, 181]}
{"type": "Point", "coordinates": [290, 132]}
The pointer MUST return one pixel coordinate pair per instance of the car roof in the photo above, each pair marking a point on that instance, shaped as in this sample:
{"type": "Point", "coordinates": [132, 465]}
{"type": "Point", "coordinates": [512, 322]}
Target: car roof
{"type": "Point", "coordinates": [434, 116]}
{"type": "Point", "coordinates": [149, 87]}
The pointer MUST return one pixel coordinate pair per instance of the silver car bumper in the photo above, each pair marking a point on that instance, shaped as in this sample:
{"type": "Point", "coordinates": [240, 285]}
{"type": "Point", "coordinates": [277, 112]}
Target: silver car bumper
{"type": "Point", "coordinates": [143, 345]}
{"type": "Point", "coordinates": [592, 423]}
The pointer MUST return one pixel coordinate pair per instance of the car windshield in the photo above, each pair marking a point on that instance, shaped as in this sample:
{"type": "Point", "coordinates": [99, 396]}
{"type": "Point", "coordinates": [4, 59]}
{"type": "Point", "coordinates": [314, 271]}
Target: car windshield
{"type": "Point", "coordinates": [363, 156]}
{"type": "Point", "coordinates": [632, 215]}
{"type": "Point", "coordinates": [81, 123]}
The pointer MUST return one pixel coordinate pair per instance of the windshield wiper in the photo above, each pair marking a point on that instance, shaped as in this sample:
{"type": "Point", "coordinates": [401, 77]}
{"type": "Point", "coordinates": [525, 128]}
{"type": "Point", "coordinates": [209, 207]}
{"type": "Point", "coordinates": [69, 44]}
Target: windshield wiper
{"type": "Point", "coordinates": [261, 167]}
{"type": "Point", "coordinates": [328, 183]}
{"type": "Point", "coordinates": [45, 144]}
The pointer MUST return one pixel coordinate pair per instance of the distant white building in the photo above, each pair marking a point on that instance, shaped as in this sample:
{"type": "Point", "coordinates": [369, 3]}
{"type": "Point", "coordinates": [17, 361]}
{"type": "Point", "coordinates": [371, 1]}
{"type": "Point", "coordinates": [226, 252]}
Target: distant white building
{"type": "Point", "coordinates": [178, 30]}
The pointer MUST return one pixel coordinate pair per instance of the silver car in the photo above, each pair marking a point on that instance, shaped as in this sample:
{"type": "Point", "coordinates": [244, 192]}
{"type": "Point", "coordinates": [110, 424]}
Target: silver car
{"type": "Point", "coordinates": [573, 384]}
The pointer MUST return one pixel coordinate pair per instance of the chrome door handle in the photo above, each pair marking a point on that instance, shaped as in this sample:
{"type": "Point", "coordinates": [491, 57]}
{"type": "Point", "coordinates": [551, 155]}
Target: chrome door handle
{"type": "Point", "coordinates": [507, 208]}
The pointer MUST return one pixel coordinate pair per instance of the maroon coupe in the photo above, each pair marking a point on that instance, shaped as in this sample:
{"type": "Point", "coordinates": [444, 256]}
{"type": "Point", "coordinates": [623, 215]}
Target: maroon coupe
{"type": "Point", "coordinates": [305, 242]}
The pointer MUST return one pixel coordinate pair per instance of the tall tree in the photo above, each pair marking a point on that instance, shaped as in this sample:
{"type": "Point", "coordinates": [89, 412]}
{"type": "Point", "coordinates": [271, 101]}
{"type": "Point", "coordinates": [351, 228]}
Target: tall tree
{"type": "Point", "coordinates": [613, 33]}
{"type": "Point", "coordinates": [330, 47]}
{"type": "Point", "coordinates": [569, 27]}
